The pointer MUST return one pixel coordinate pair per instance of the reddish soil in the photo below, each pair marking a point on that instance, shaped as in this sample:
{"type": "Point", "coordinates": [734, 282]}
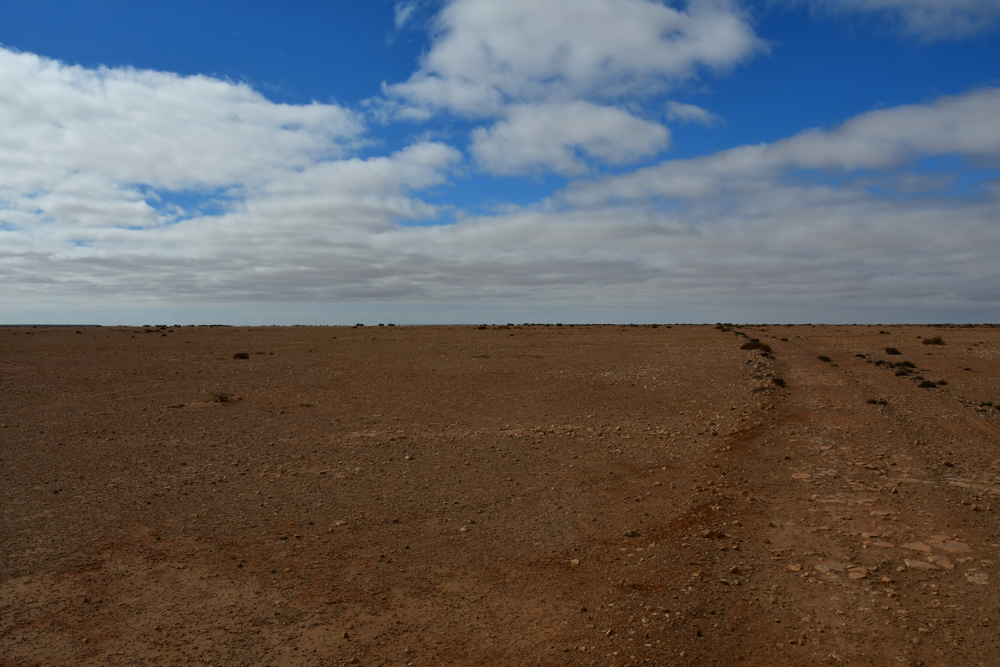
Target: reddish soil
{"type": "Point", "coordinates": [522, 496]}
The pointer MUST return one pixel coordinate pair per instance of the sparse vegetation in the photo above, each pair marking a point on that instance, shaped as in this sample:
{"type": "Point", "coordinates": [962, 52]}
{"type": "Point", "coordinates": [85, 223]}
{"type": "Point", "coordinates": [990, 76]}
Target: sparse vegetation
{"type": "Point", "coordinates": [755, 344]}
{"type": "Point", "coordinates": [778, 381]}
{"type": "Point", "coordinates": [892, 350]}
{"type": "Point", "coordinates": [241, 355]}
{"type": "Point", "coordinates": [221, 397]}
{"type": "Point", "coordinates": [928, 384]}
{"type": "Point", "coordinates": [877, 401]}
{"type": "Point", "coordinates": [825, 359]}
{"type": "Point", "coordinates": [936, 340]}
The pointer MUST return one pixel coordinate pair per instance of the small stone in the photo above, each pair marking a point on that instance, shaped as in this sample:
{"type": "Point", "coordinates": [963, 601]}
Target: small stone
{"type": "Point", "coordinates": [976, 577]}
{"type": "Point", "coordinates": [795, 567]}
{"type": "Point", "coordinates": [919, 565]}
{"type": "Point", "coordinates": [883, 545]}
{"type": "Point", "coordinates": [830, 567]}
{"type": "Point", "coordinates": [942, 562]}
{"type": "Point", "coordinates": [632, 533]}
{"type": "Point", "coordinates": [609, 632]}
{"type": "Point", "coordinates": [711, 534]}
{"type": "Point", "coordinates": [954, 547]}
{"type": "Point", "coordinates": [575, 562]}
{"type": "Point", "coordinates": [735, 570]}
{"type": "Point", "coordinates": [918, 546]}
{"type": "Point", "coordinates": [344, 635]}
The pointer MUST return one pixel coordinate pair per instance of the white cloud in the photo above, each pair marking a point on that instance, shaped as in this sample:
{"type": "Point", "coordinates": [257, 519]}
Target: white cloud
{"type": "Point", "coordinates": [552, 136]}
{"type": "Point", "coordinates": [76, 144]}
{"type": "Point", "coordinates": [403, 12]}
{"type": "Point", "coordinates": [928, 19]}
{"type": "Point", "coordinates": [525, 61]}
{"type": "Point", "coordinates": [875, 140]}
{"type": "Point", "coordinates": [689, 113]}
{"type": "Point", "coordinates": [486, 53]}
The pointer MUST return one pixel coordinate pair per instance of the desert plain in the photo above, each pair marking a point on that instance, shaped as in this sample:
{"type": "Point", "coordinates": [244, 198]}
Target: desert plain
{"type": "Point", "coordinates": [500, 495]}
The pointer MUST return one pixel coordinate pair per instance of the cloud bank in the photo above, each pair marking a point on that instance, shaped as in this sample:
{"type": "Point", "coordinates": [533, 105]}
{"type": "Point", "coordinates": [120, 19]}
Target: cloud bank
{"type": "Point", "coordinates": [121, 188]}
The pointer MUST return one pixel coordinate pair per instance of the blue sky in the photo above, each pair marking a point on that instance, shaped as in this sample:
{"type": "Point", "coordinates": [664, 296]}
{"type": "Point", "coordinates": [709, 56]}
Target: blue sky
{"type": "Point", "coordinates": [479, 160]}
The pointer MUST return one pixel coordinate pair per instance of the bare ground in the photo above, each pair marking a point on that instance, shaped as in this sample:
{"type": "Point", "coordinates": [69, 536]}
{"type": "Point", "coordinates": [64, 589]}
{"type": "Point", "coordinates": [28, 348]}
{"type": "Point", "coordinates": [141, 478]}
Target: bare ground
{"type": "Point", "coordinates": [528, 496]}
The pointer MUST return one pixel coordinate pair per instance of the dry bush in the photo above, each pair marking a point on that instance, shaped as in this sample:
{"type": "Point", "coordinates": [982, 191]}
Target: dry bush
{"type": "Point", "coordinates": [755, 344]}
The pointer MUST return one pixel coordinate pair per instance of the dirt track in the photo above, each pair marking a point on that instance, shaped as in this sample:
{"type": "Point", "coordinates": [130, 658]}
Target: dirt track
{"type": "Point", "coordinates": [532, 495]}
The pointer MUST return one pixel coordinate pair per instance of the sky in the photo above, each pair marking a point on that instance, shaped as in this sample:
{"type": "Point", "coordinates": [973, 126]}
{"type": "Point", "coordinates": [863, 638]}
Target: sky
{"type": "Point", "coordinates": [469, 161]}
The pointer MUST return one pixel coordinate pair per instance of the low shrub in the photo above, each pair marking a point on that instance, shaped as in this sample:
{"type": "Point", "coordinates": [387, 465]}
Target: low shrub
{"type": "Point", "coordinates": [936, 340]}
{"type": "Point", "coordinates": [778, 382]}
{"type": "Point", "coordinates": [892, 350]}
{"type": "Point", "coordinates": [241, 355]}
{"type": "Point", "coordinates": [928, 384]}
{"type": "Point", "coordinates": [825, 359]}
{"type": "Point", "coordinates": [756, 345]}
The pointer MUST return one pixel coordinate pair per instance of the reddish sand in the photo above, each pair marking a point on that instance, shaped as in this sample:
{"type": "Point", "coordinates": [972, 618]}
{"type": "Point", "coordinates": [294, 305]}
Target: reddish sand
{"type": "Point", "coordinates": [537, 495]}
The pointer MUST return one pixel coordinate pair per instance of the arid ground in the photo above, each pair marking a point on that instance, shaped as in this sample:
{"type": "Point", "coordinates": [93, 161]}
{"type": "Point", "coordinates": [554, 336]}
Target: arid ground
{"type": "Point", "coordinates": [530, 495]}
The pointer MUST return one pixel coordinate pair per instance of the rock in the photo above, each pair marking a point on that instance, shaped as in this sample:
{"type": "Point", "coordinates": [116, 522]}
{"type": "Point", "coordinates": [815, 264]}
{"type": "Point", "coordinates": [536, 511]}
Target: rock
{"type": "Point", "coordinates": [918, 546]}
{"type": "Point", "coordinates": [830, 567]}
{"type": "Point", "coordinates": [575, 562]}
{"type": "Point", "coordinates": [976, 577]}
{"type": "Point", "coordinates": [632, 533]}
{"type": "Point", "coordinates": [954, 547]}
{"type": "Point", "coordinates": [795, 567]}
{"type": "Point", "coordinates": [883, 545]}
{"type": "Point", "coordinates": [735, 570]}
{"type": "Point", "coordinates": [919, 565]}
{"type": "Point", "coordinates": [712, 534]}
{"type": "Point", "coordinates": [941, 561]}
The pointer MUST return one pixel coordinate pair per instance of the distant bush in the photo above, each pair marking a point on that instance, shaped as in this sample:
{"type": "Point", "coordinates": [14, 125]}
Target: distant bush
{"type": "Point", "coordinates": [221, 397]}
{"type": "Point", "coordinates": [241, 355]}
{"type": "Point", "coordinates": [927, 384]}
{"type": "Point", "coordinates": [892, 350]}
{"type": "Point", "coordinates": [936, 340]}
{"type": "Point", "coordinates": [756, 345]}
{"type": "Point", "coordinates": [778, 382]}
{"type": "Point", "coordinates": [825, 359]}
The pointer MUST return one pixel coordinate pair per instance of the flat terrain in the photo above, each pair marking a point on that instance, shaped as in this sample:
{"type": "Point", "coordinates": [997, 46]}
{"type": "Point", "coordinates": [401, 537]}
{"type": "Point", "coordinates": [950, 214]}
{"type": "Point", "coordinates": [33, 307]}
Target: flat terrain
{"type": "Point", "coordinates": [536, 495]}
